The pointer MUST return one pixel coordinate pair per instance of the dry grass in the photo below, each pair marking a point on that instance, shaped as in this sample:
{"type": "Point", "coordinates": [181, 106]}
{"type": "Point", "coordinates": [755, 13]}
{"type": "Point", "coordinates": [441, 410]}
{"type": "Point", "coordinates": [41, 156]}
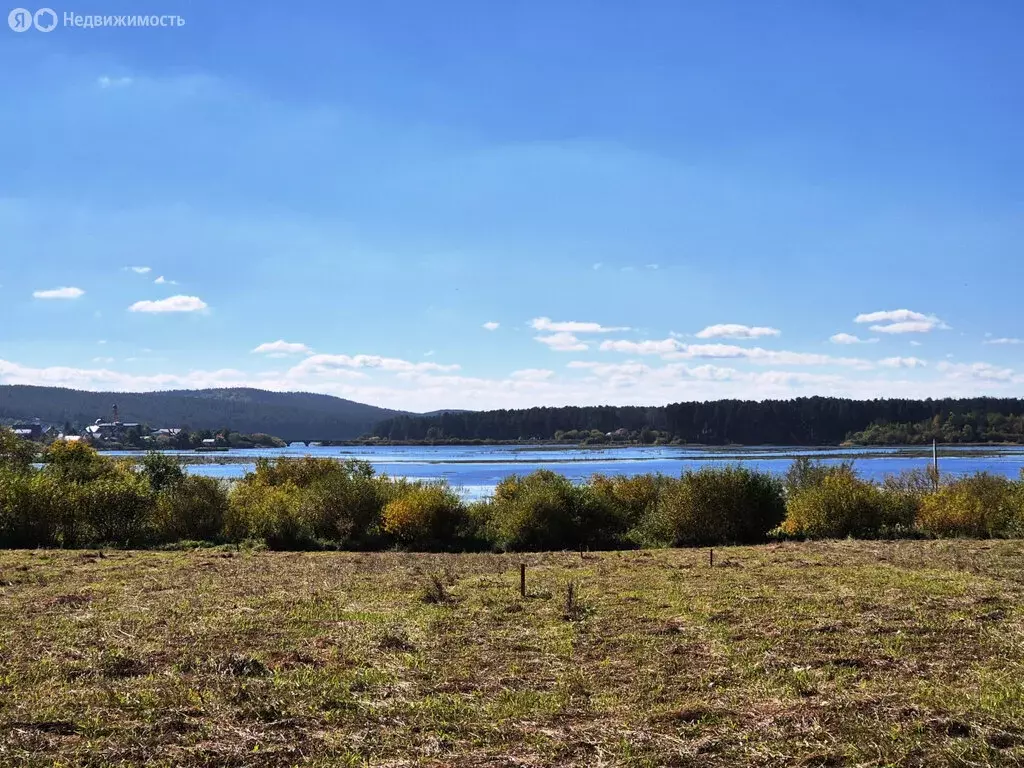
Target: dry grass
{"type": "Point", "coordinates": [845, 653]}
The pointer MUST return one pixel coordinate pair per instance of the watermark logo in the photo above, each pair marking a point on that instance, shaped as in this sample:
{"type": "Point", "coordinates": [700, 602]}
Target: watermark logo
{"type": "Point", "coordinates": [22, 19]}
{"type": "Point", "coordinates": [46, 20]}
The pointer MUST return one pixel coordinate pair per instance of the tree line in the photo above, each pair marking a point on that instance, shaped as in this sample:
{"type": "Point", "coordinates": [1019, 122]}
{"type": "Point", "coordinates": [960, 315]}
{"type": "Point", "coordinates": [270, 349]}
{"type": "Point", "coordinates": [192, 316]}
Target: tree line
{"type": "Point", "coordinates": [801, 421]}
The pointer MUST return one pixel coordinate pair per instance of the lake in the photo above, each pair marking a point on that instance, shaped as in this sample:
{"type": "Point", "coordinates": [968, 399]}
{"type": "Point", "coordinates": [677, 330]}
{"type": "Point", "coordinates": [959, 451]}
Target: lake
{"type": "Point", "coordinates": [477, 469]}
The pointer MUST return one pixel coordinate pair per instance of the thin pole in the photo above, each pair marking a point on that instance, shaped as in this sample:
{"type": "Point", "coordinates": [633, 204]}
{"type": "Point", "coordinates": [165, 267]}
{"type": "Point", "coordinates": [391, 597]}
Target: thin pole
{"type": "Point", "coordinates": [935, 462]}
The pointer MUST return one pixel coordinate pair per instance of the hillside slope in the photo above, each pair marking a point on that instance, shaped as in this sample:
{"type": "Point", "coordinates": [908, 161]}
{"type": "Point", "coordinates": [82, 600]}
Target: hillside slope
{"type": "Point", "coordinates": [289, 415]}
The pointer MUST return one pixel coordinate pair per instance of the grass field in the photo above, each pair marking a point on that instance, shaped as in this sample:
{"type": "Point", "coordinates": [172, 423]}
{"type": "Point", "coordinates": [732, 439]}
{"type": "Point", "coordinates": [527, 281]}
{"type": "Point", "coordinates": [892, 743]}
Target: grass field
{"type": "Point", "coordinates": [843, 653]}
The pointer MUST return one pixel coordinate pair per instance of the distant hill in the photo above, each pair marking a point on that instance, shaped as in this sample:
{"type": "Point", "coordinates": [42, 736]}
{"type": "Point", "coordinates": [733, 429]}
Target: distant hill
{"type": "Point", "coordinates": [288, 415]}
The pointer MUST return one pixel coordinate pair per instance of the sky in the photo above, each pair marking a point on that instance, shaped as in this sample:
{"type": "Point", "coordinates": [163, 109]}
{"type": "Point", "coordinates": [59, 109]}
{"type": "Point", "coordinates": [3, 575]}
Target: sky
{"type": "Point", "coordinates": [463, 204]}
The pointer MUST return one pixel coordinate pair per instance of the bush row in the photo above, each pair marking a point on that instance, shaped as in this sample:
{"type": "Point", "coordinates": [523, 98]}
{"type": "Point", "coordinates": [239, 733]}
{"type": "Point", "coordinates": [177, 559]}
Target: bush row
{"type": "Point", "coordinates": [80, 498]}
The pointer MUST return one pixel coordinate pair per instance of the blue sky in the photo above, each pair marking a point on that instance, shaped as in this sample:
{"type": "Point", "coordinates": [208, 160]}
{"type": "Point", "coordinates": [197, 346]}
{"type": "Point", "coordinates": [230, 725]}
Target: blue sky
{"type": "Point", "coordinates": [647, 202]}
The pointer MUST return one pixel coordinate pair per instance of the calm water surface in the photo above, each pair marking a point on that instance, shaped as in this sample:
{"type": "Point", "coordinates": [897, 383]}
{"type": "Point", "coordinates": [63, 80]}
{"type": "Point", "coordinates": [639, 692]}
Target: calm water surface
{"type": "Point", "coordinates": [478, 469]}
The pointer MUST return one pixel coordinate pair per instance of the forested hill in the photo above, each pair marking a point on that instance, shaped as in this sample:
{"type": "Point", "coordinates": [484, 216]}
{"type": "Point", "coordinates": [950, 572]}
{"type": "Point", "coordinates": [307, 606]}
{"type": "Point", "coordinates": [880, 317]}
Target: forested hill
{"type": "Point", "coordinates": [803, 421]}
{"type": "Point", "coordinates": [288, 415]}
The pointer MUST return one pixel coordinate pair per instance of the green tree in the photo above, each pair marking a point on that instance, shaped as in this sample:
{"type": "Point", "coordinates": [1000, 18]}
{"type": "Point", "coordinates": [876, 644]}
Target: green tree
{"type": "Point", "coordinates": [15, 453]}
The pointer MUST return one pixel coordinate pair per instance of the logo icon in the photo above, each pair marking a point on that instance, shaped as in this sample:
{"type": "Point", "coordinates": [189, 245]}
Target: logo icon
{"type": "Point", "coordinates": [20, 19]}
{"type": "Point", "coordinates": [45, 19]}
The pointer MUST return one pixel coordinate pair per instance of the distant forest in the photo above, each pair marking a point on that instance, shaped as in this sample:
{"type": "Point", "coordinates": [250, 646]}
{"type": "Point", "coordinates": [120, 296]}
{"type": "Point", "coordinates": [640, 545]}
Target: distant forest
{"type": "Point", "coordinates": [288, 415]}
{"type": "Point", "coordinates": [803, 421]}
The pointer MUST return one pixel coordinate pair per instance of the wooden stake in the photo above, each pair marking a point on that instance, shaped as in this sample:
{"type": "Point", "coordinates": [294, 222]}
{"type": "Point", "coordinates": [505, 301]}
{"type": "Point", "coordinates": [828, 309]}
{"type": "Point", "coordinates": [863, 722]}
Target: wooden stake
{"type": "Point", "coordinates": [522, 579]}
{"type": "Point", "coordinates": [711, 558]}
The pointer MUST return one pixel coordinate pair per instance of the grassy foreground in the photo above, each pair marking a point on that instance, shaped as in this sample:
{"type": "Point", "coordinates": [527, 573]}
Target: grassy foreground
{"type": "Point", "coordinates": [834, 653]}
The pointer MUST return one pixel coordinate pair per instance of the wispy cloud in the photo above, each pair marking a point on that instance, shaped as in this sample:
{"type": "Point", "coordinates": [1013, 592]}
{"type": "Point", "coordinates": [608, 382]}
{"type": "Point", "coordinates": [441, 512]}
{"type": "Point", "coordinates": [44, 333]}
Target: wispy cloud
{"type": "Point", "coordinates": [1003, 340]}
{"type": "Point", "coordinates": [673, 349]}
{"type": "Point", "coordinates": [140, 270]}
{"type": "Point", "coordinates": [736, 331]}
{"type": "Point", "coordinates": [281, 348]}
{"type": "Point", "coordinates": [562, 342]}
{"type": "Point", "coordinates": [981, 371]}
{"type": "Point", "coordinates": [902, 362]}
{"type": "Point", "coordinates": [532, 374]}
{"type": "Point", "coordinates": [171, 304]}
{"type": "Point", "coordinates": [325, 363]}
{"type": "Point", "coordinates": [849, 338]}
{"type": "Point", "coordinates": [105, 81]}
{"type": "Point", "coordinates": [164, 281]}
{"type": "Point", "coordinates": [901, 321]}
{"type": "Point", "coordinates": [59, 293]}
{"type": "Point", "coordinates": [572, 326]}
{"type": "Point", "coordinates": [491, 326]}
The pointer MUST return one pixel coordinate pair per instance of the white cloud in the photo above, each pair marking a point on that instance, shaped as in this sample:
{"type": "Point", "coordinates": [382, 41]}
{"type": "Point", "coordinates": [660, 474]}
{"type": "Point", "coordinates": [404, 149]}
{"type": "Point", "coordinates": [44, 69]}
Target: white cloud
{"type": "Point", "coordinates": [326, 363]}
{"type": "Point", "coordinates": [562, 342]}
{"type": "Point", "coordinates": [653, 266]}
{"type": "Point", "coordinates": [59, 293]}
{"type": "Point", "coordinates": [902, 362]}
{"type": "Point", "coordinates": [164, 281]}
{"type": "Point", "coordinates": [650, 347]}
{"type": "Point", "coordinates": [140, 270]}
{"type": "Point", "coordinates": [901, 321]}
{"type": "Point", "coordinates": [103, 360]}
{"type": "Point", "coordinates": [849, 338]}
{"type": "Point", "coordinates": [736, 331]}
{"type": "Point", "coordinates": [429, 353]}
{"type": "Point", "coordinates": [982, 371]}
{"type": "Point", "coordinates": [915, 343]}
{"type": "Point", "coordinates": [532, 374]}
{"type": "Point", "coordinates": [673, 349]}
{"type": "Point", "coordinates": [572, 326]}
{"type": "Point", "coordinates": [171, 304]}
{"type": "Point", "coordinates": [491, 326]}
{"type": "Point", "coordinates": [400, 384]}
{"type": "Point", "coordinates": [1004, 340]}
{"type": "Point", "coordinates": [114, 82]}
{"type": "Point", "coordinates": [281, 348]}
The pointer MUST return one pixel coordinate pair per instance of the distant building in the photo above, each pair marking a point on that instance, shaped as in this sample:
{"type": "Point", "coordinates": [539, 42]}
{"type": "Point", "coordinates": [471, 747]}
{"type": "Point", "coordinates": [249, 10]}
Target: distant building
{"type": "Point", "coordinates": [29, 431]}
{"type": "Point", "coordinates": [109, 430]}
{"type": "Point", "coordinates": [210, 441]}
{"type": "Point", "coordinates": [166, 432]}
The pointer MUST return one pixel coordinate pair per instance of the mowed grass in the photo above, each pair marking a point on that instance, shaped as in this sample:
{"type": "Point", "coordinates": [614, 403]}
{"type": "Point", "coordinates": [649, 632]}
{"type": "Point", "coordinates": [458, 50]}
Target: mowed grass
{"type": "Point", "coordinates": [838, 653]}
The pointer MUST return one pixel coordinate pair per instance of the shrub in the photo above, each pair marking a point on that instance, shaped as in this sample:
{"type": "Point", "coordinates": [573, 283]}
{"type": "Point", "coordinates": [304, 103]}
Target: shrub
{"type": "Point", "coordinates": [15, 453]}
{"type": "Point", "coordinates": [635, 501]}
{"type": "Point", "coordinates": [722, 505]}
{"type": "Point", "coordinates": [31, 509]}
{"type": "Point", "coordinates": [806, 473]}
{"type": "Point", "coordinates": [902, 497]}
{"type": "Point", "coordinates": [840, 505]}
{"type": "Point", "coordinates": [331, 501]}
{"type": "Point", "coordinates": [545, 510]}
{"type": "Point", "coordinates": [161, 470]}
{"type": "Point", "coordinates": [192, 508]}
{"type": "Point", "coordinates": [269, 512]}
{"type": "Point", "coordinates": [979, 506]}
{"type": "Point", "coordinates": [115, 508]}
{"type": "Point", "coordinates": [428, 516]}
{"type": "Point", "coordinates": [76, 462]}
